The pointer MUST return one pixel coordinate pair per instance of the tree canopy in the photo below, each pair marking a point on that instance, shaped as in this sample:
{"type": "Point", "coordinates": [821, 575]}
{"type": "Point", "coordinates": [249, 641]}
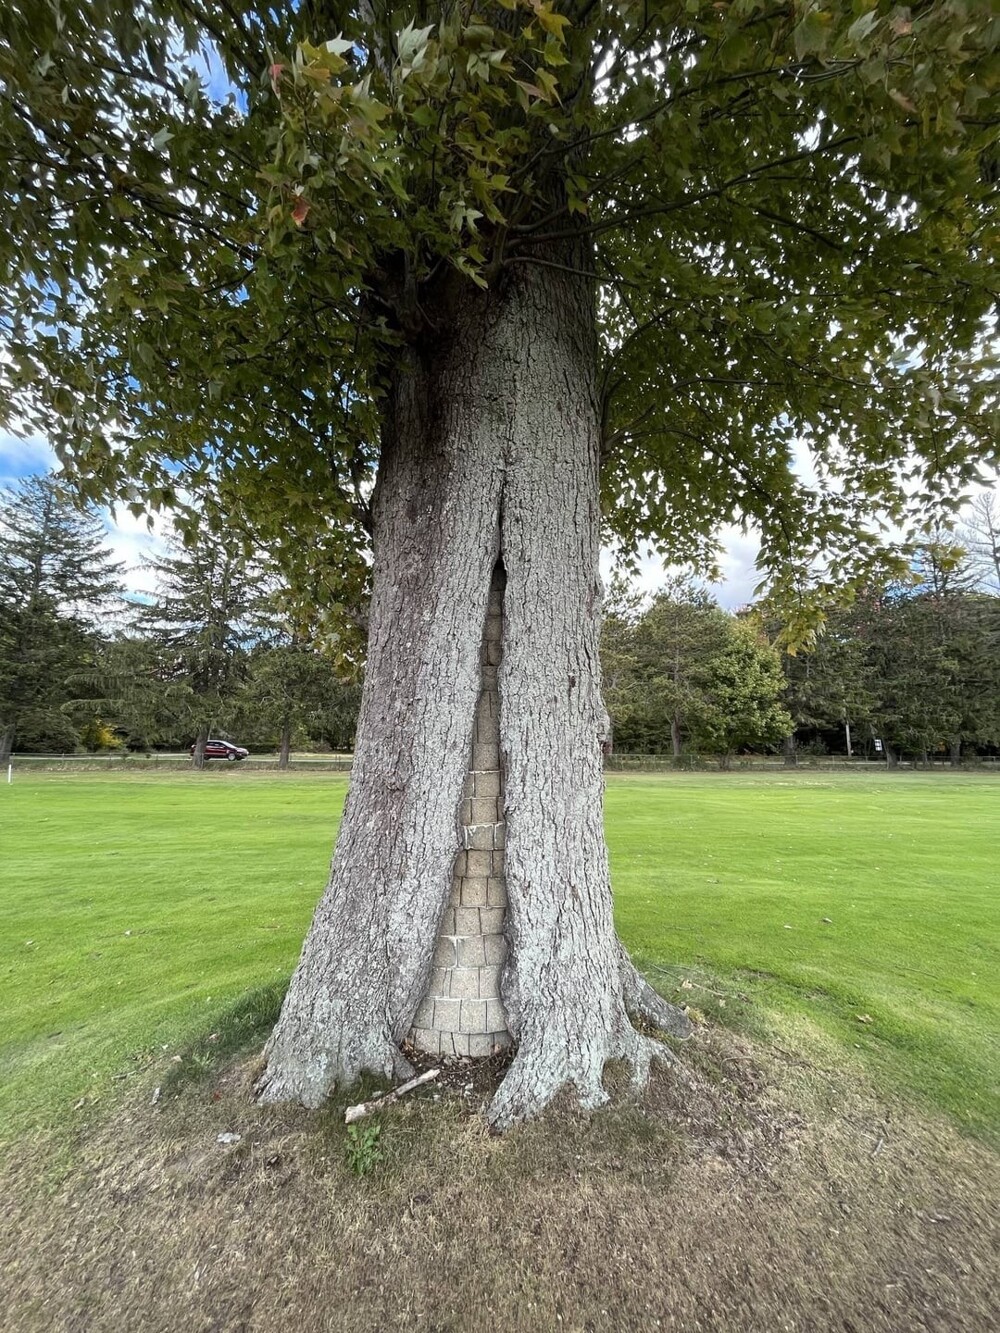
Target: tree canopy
{"type": "Point", "coordinates": [223, 220]}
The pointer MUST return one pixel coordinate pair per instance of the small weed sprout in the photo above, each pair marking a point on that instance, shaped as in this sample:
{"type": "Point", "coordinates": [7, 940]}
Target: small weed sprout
{"type": "Point", "coordinates": [364, 1149]}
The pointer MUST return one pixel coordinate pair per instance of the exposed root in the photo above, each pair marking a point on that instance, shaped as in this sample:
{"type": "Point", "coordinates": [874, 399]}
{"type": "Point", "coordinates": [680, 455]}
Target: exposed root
{"type": "Point", "coordinates": [539, 1073]}
{"type": "Point", "coordinates": [310, 1081]}
{"type": "Point", "coordinates": [642, 1001]}
{"type": "Point", "coordinates": [533, 1081]}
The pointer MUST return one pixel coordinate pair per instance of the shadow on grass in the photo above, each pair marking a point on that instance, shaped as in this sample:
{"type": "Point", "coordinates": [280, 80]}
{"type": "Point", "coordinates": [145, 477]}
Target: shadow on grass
{"type": "Point", "coordinates": [244, 1024]}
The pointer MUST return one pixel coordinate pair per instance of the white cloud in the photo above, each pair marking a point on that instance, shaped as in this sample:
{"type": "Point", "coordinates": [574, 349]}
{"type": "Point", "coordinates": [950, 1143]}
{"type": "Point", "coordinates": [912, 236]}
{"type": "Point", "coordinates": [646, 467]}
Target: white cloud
{"type": "Point", "coordinates": [737, 562]}
{"type": "Point", "coordinates": [132, 542]}
{"type": "Point", "coordinates": [24, 458]}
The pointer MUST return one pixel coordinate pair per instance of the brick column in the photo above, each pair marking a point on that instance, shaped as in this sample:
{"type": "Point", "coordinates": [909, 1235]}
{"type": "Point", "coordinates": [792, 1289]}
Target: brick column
{"type": "Point", "coordinates": [462, 1013]}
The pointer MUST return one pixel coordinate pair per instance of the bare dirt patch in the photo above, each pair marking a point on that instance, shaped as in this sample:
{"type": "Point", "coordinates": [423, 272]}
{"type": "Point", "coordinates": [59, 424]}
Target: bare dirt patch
{"type": "Point", "coordinates": [776, 1195]}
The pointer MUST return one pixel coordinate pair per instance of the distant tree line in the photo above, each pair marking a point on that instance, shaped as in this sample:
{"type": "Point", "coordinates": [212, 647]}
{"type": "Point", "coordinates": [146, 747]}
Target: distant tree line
{"type": "Point", "coordinates": [683, 676]}
{"type": "Point", "coordinates": [908, 670]}
{"type": "Point", "coordinates": [215, 649]}
{"type": "Point", "coordinates": [912, 669]}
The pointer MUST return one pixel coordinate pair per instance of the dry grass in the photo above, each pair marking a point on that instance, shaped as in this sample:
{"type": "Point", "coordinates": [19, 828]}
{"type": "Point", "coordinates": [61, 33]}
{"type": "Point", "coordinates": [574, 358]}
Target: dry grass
{"type": "Point", "coordinates": [776, 1196]}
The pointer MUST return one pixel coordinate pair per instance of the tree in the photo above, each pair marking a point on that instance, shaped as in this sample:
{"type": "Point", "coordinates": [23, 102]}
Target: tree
{"type": "Point", "coordinates": [136, 685]}
{"type": "Point", "coordinates": [981, 534]}
{"type": "Point", "coordinates": [937, 671]}
{"type": "Point", "coordinates": [204, 618]}
{"type": "Point", "coordinates": [656, 695]}
{"type": "Point", "coordinates": [524, 259]}
{"type": "Point", "coordinates": [829, 685]}
{"type": "Point", "coordinates": [51, 549]}
{"type": "Point", "coordinates": [741, 690]}
{"type": "Point", "coordinates": [289, 687]}
{"type": "Point", "coordinates": [40, 652]}
{"type": "Point", "coordinates": [56, 577]}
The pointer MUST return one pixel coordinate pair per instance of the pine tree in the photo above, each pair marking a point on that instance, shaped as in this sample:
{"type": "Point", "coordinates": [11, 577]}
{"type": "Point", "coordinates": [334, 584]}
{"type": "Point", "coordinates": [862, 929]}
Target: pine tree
{"type": "Point", "coordinates": [52, 550]}
{"type": "Point", "coordinates": [662, 656]}
{"type": "Point", "coordinates": [56, 578]}
{"type": "Point", "coordinates": [205, 617]}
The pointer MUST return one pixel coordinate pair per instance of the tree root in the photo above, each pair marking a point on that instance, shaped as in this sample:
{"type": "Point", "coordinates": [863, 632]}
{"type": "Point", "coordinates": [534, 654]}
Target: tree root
{"type": "Point", "coordinates": [643, 1001]}
{"type": "Point", "coordinates": [539, 1073]}
{"type": "Point", "coordinates": [550, 1057]}
{"type": "Point", "coordinates": [310, 1080]}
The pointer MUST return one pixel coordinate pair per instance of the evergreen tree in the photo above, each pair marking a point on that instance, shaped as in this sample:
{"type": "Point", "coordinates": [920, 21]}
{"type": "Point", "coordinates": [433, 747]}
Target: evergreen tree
{"type": "Point", "coordinates": [657, 689]}
{"type": "Point", "coordinates": [208, 611]}
{"type": "Point", "coordinates": [136, 687]}
{"type": "Point", "coordinates": [916, 665]}
{"type": "Point", "coordinates": [938, 671]}
{"type": "Point", "coordinates": [740, 687]}
{"type": "Point", "coordinates": [828, 685]}
{"type": "Point", "coordinates": [56, 578]}
{"type": "Point", "coordinates": [52, 550]}
{"type": "Point", "coordinates": [41, 652]}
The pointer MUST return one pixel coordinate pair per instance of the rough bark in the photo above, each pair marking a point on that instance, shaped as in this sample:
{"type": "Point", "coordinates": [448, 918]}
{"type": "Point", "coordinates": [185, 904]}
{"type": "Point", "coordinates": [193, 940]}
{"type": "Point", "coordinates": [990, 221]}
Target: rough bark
{"type": "Point", "coordinates": [490, 450]}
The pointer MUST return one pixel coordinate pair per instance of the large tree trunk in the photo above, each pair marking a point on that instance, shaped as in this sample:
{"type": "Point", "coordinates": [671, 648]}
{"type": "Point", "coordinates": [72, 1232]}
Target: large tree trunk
{"type": "Point", "coordinates": [285, 748]}
{"type": "Point", "coordinates": [675, 735]}
{"type": "Point", "coordinates": [489, 453]}
{"type": "Point", "coordinates": [7, 734]}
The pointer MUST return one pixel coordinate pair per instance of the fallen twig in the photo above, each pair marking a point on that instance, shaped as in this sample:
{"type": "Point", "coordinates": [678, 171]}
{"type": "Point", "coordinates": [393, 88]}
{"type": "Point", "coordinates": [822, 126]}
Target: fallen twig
{"type": "Point", "coordinates": [362, 1109]}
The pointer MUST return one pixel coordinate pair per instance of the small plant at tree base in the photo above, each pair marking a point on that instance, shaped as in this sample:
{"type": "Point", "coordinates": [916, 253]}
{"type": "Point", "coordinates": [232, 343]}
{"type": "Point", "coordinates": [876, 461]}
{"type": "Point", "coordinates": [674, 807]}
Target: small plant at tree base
{"type": "Point", "coordinates": [364, 1148]}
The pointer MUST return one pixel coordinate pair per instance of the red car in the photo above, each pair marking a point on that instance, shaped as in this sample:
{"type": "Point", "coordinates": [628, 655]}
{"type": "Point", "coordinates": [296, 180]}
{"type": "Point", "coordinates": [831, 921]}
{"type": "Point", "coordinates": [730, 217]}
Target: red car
{"type": "Point", "coordinates": [223, 750]}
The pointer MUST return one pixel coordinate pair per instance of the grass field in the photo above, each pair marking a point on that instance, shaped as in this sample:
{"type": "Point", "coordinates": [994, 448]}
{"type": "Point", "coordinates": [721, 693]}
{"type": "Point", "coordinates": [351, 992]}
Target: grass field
{"type": "Point", "coordinates": [136, 911]}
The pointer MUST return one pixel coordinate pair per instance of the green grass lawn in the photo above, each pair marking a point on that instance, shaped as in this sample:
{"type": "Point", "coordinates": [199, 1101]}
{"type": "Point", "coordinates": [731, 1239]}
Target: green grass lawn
{"type": "Point", "coordinates": [135, 911]}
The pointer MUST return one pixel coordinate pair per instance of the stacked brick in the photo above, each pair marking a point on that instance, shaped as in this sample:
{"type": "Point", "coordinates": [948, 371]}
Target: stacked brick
{"type": "Point", "coordinates": [462, 1013]}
